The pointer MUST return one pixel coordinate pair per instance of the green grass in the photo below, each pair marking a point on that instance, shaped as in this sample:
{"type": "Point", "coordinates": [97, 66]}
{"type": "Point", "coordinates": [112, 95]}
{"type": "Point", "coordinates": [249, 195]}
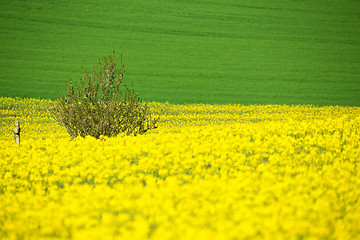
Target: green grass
{"type": "Point", "coordinates": [211, 51]}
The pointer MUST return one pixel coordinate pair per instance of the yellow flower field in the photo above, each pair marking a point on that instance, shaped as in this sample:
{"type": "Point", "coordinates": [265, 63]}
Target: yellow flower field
{"type": "Point", "coordinates": [207, 172]}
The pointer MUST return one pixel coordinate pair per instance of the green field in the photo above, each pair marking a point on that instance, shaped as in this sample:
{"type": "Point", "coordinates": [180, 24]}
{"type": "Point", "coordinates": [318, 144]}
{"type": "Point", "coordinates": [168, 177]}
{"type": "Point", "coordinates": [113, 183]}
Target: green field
{"type": "Point", "coordinates": [211, 51]}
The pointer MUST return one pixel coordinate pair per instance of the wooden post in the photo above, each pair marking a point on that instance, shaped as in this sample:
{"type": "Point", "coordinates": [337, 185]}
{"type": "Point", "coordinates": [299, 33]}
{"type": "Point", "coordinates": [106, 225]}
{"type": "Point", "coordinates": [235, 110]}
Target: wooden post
{"type": "Point", "coordinates": [17, 132]}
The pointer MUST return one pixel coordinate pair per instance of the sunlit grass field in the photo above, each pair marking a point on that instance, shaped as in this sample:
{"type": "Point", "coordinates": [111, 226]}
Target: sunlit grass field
{"type": "Point", "coordinates": [206, 172]}
{"type": "Point", "coordinates": [203, 51]}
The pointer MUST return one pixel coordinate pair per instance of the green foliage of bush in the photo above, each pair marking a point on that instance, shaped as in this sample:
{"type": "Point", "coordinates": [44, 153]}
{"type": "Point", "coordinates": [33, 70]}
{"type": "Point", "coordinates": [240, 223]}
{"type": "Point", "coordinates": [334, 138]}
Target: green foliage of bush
{"type": "Point", "coordinates": [99, 104]}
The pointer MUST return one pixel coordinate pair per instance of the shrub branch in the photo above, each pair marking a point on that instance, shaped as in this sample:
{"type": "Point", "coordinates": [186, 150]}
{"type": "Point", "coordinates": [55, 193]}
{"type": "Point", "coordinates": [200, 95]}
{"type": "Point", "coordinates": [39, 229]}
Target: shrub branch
{"type": "Point", "coordinates": [99, 104]}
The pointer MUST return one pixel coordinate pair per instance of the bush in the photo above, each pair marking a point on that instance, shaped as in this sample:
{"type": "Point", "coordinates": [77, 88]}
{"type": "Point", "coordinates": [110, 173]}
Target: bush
{"type": "Point", "coordinates": [101, 105]}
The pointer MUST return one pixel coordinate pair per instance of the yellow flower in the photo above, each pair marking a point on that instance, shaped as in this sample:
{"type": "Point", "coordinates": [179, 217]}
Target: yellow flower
{"type": "Point", "coordinates": [207, 172]}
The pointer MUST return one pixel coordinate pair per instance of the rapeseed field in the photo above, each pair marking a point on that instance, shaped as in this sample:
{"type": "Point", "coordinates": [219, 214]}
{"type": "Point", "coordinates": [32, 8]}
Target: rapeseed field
{"type": "Point", "coordinates": [206, 172]}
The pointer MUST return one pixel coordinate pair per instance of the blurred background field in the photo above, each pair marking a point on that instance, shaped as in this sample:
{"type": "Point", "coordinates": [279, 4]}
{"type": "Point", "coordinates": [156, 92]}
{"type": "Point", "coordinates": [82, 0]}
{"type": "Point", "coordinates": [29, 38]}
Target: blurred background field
{"type": "Point", "coordinates": [247, 52]}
